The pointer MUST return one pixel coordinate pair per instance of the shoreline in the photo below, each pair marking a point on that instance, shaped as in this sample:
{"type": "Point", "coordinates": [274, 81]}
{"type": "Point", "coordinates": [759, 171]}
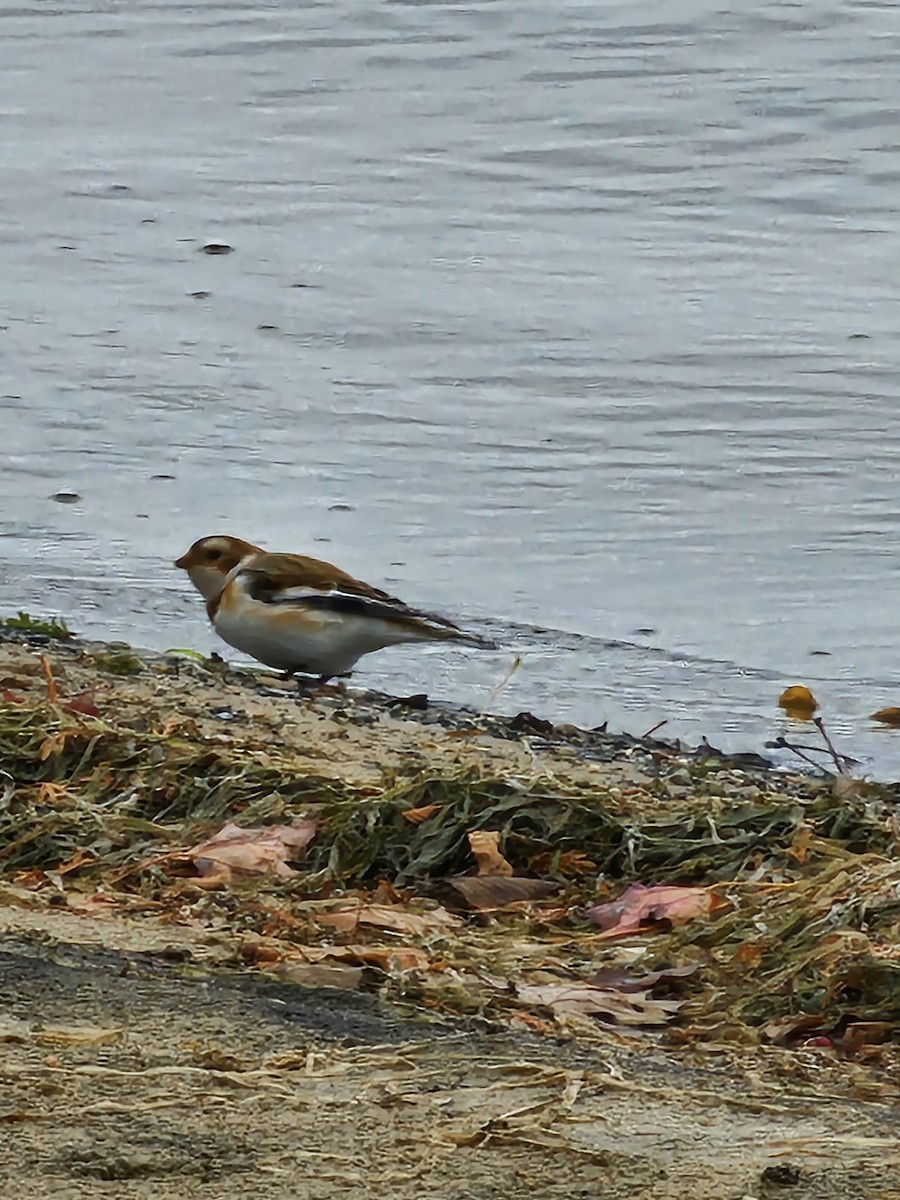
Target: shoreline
{"type": "Point", "coordinates": [575, 897]}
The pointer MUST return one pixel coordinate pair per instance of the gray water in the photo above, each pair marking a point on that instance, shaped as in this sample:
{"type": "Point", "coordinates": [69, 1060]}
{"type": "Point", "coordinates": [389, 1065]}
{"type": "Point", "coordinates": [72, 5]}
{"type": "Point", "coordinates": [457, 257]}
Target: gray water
{"type": "Point", "coordinates": [576, 321]}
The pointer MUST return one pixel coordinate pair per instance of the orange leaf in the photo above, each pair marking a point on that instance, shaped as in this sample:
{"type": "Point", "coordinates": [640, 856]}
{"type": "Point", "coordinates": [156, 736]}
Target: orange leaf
{"type": "Point", "coordinates": [887, 716]}
{"type": "Point", "coordinates": [485, 847]}
{"type": "Point", "coordinates": [416, 816]}
{"type": "Point", "coordinates": [570, 862]}
{"type": "Point", "coordinates": [78, 859]}
{"type": "Point", "coordinates": [750, 954]}
{"type": "Point", "coordinates": [50, 794]}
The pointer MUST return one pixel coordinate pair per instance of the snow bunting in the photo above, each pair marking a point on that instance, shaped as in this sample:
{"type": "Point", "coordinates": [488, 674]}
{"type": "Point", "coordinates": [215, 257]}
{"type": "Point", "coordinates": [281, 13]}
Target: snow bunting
{"type": "Point", "coordinates": [302, 615]}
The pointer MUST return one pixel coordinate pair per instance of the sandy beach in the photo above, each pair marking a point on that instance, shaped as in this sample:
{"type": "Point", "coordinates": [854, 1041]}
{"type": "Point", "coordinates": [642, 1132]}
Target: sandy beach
{"type": "Point", "coordinates": [471, 956]}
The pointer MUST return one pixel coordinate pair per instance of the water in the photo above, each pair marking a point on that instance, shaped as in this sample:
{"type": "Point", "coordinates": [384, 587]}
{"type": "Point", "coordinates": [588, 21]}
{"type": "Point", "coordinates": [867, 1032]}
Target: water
{"type": "Point", "coordinates": [587, 313]}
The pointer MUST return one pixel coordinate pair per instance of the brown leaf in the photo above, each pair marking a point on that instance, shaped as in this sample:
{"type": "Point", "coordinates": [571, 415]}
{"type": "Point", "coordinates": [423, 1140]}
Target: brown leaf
{"type": "Point", "coordinates": [639, 905]}
{"type": "Point", "coordinates": [785, 1031]}
{"type": "Point", "coordinates": [82, 703]}
{"type": "Point", "coordinates": [416, 816]}
{"type": "Point", "coordinates": [78, 859]}
{"type": "Point", "coordinates": [798, 702]}
{"type": "Point", "coordinates": [750, 954]}
{"type": "Point", "coordinates": [258, 850]}
{"type": "Point", "coordinates": [387, 958]}
{"type": "Point", "coordinates": [491, 893]}
{"type": "Point", "coordinates": [618, 980]}
{"type": "Point", "coordinates": [52, 794]}
{"type": "Point", "coordinates": [887, 716]}
{"type": "Point", "coordinates": [570, 862]}
{"type": "Point", "coordinates": [387, 916]}
{"type": "Point", "coordinates": [636, 1009]}
{"type": "Point", "coordinates": [485, 847]}
{"type": "Point", "coordinates": [319, 975]}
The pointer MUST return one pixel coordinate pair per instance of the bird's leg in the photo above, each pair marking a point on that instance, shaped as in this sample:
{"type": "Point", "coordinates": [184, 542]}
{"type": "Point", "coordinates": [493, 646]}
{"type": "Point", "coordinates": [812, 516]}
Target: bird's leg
{"type": "Point", "coordinates": [306, 684]}
{"type": "Point", "coordinates": [323, 682]}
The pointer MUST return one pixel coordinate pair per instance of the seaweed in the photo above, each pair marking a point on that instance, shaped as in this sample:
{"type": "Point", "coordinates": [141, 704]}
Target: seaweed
{"type": "Point", "coordinates": [50, 627]}
{"type": "Point", "coordinates": [803, 935]}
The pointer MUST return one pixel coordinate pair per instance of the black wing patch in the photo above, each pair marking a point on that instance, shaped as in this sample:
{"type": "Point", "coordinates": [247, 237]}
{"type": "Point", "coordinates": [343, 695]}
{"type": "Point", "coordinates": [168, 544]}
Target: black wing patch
{"type": "Point", "coordinates": [339, 602]}
{"type": "Point", "coordinates": [265, 590]}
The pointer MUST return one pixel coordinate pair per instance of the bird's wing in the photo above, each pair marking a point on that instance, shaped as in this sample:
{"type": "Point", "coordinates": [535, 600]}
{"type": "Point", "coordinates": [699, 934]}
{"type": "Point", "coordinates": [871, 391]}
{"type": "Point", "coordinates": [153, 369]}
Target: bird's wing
{"type": "Point", "coordinates": [285, 573]}
{"type": "Point", "coordinates": [293, 579]}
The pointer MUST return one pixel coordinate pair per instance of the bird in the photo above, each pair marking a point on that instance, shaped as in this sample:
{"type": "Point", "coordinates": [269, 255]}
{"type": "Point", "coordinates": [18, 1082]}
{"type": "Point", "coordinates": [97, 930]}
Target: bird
{"type": "Point", "coordinates": [301, 615]}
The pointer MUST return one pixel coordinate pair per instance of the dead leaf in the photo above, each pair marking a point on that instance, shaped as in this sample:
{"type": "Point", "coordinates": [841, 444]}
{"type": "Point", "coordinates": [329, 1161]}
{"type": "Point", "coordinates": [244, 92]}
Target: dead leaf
{"type": "Point", "coordinates": [82, 703]}
{"type": "Point", "coordinates": [783, 1032]}
{"type": "Point", "coordinates": [569, 863]}
{"type": "Point", "coordinates": [392, 958]}
{"type": "Point", "coordinates": [52, 795]}
{"type": "Point", "coordinates": [750, 954]}
{"type": "Point", "coordinates": [636, 1009]}
{"type": "Point", "coordinates": [491, 893]}
{"type": "Point", "coordinates": [10, 697]}
{"type": "Point", "coordinates": [54, 744]}
{"type": "Point", "coordinates": [258, 850]}
{"type": "Point", "coordinates": [416, 816]}
{"type": "Point", "coordinates": [386, 958]}
{"type": "Point", "coordinates": [638, 905]}
{"type": "Point", "coordinates": [386, 893]}
{"type": "Point", "coordinates": [617, 979]}
{"type": "Point", "coordinates": [798, 702]}
{"type": "Point", "coordinates": [485, 847]}
{"type": "Point", "coordinates": [78, 859]}
{"type": "Point", "coordinates": [319, 975]}
{"type": "Point", "coordinates": [387, 916]}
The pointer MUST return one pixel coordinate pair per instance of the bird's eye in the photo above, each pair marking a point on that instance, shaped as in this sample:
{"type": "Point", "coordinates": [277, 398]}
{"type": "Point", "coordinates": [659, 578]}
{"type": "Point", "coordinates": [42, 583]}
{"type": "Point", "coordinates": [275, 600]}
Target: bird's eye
{"type": "Point", "coordinates": [214, 554]}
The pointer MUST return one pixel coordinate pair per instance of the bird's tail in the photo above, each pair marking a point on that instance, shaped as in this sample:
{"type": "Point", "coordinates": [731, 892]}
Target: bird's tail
{"type": "Point", "coordinates": [476, 639]}
{"type": "Point", "coordinates": [444, 630]}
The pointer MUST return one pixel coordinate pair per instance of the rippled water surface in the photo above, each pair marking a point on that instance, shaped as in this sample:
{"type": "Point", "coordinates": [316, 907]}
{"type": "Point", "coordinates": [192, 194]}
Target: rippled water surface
{"type": "Point", "coordinates": [579, 320]}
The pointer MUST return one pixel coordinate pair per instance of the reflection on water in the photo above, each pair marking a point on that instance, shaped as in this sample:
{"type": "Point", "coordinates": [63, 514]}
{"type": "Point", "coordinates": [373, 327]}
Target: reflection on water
{"type": "Point", "coordinates": [587, 315]}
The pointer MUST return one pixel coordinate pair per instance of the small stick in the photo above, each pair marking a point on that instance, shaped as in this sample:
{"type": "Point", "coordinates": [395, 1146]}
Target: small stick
{"type": "Point", "coordinates": [653, 728]}
{"type": "Point", "coordinates": [51, 682]}
{"type": "Point", "coordinates": [780, 744]}
{"type": "Point", "coordinates": [838, 758]}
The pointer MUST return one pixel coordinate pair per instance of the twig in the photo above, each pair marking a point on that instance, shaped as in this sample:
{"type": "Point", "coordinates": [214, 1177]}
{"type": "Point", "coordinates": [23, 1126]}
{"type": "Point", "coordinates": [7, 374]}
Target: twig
{"type": "Point", "coordinates": [51, 682]}
{"type": "Point", "coordinates": [653, 728]}
{"type": "Point", "coordinates": [838, 758]}
{"type": "Point", "coordinates": [780, 743]}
